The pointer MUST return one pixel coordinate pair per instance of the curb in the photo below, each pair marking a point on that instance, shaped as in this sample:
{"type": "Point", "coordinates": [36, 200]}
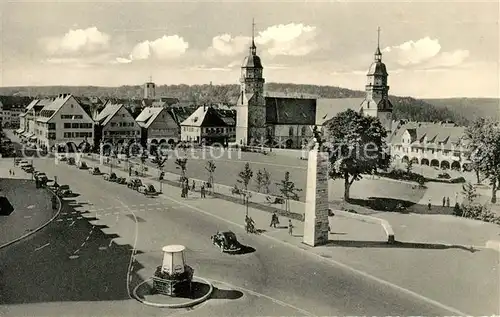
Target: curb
{"type": "Point", "coordinates": [181, 305]}
{"type": "Point", "coordinates": [384, 223]}
{"type": "Point", "coordinates": [39, 228]}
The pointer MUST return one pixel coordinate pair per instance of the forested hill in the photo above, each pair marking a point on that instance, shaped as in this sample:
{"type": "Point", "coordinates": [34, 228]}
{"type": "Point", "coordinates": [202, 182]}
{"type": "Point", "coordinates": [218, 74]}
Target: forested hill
{"type": "Point", "coordinates": [404, 107]}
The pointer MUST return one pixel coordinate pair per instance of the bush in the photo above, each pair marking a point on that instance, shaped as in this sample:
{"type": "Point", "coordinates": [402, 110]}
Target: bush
{"type": "Point", "coordinates": [400, 174]}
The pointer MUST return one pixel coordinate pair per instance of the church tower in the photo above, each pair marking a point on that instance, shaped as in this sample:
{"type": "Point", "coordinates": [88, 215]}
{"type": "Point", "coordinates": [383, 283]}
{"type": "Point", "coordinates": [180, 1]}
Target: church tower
{"type": "Point", "coordinates": [377, 103]}
{"type": "Point", "coordinates": [149, 89]}
{"type": "Point", "coordinates": [251, 106]}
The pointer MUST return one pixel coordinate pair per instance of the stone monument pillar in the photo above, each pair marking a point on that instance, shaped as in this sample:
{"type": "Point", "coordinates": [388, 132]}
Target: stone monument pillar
{"type": "Point", "coordinates": [316, 213]}
{"type": "Point", "coordinates": [173, 259]}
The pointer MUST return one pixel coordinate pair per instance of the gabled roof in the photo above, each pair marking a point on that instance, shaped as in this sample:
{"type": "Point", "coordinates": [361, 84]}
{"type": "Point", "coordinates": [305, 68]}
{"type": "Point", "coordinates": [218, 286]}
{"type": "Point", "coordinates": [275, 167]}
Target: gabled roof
{"type": "Point", "coordinates": [327, 108]}
{"type": "Point", "coordinates": [204, 117]}
{"type": "Point", "coordinates": [227, 115]}
{"type": "Point", "coordinates": [437, 134]}
{"type": "Point", "coordinates": [108, 113]}
{"type": "Point", "coordinates": [148, 116]}
{"type": "Point", "coordinates": [289, 110]}
{"type": "Point", "coordinates": [285, 94]}
{"type": "Point", "coordinates": [181, 113]}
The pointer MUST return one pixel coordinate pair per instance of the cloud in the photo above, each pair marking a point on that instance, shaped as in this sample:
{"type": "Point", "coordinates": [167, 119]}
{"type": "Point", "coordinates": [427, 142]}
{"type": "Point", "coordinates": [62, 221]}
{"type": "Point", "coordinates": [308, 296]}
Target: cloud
{"type": "Point", "coordinates": [166, 47]}
{"type": "Point", "coordinates": [410, 52]}
{"type": "Point", "coordinates": [76, 41]}
{"type": "Point", "coordinates": [291, 39]}
{"type": "Point", "coordinates": [226, 45]}
{"type": "Point", "coordinates": [424, 53]}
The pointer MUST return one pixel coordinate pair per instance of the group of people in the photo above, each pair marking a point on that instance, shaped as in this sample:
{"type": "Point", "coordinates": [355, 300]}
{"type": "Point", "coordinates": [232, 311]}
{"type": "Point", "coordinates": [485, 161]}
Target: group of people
{"type": "Point", "coordinates": [185, 188]}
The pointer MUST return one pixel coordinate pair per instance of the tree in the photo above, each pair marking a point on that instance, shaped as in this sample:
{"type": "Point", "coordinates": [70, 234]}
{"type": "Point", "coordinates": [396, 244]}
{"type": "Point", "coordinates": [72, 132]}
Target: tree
{"type": "Point", "coordinates": [244, 178]}
{"type": "Point", "coordinates": [266, 180]}
{"type": "Point", "coordinates": [469, 192]}
{"type": "Point", "coordinates": [484, 145]}
{"type": "Point", "coordinates": [356, 145]}
{"type": "Point", "coordinates": [288, 190]}
{"type": "Point", "coordinates": [409, 166]}
{"type": "Point", "coordinates": [473, 136]}
{"type": "Point", "coordinates": [259, 179]}
{"type": "Point", "coordinates": [160, 163]}
{"type": "Point", "coordinates": [143, 161]}
{"type": "Point", "coordinates": [210, 167]}
{"type": "Point", "coordinates": [182, 164]}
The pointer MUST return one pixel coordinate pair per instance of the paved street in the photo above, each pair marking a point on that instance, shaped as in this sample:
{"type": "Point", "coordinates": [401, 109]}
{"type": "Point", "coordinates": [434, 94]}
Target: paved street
{"type": "Point", "coordinates": [75, 255]}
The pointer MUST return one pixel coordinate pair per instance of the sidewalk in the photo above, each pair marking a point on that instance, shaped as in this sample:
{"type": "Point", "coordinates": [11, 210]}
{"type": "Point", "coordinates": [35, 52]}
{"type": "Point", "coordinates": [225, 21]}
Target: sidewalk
{"type": "Point", "coordinates": [32, 206]}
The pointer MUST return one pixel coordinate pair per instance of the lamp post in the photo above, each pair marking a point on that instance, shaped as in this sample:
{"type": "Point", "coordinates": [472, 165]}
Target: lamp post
{"type": "Point", "coordinates": [160, 179]}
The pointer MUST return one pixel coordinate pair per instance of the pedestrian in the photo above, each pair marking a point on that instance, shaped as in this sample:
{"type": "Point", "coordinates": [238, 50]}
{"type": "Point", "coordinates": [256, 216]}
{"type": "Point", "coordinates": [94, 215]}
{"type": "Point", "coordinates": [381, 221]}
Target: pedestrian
{"type": "Point", "coordinates": [186, 191]}
{"type": "Point", "coordinates": [444, 201]}
{"type": "Point", "coordinates": [13, 173]}
{"type": "Point", "coordinates": [202, 191]}
{"type": "Point", "coordinates": [290, 227]}
{"type": "Point", "coordinates": [447, 201]}
{"type": "Point", "coordinates": [429, 204]}
{"type": "Point", "coordinates": [193, 186]}
{"type": "Point", "coordinates": [10, 172]}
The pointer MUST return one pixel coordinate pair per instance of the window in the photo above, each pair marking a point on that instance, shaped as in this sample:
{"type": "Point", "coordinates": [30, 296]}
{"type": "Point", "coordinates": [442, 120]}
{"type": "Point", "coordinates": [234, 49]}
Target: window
{"type": "Point", "coordinates": [67, 135]}
{"type": "Point", "coordinates": [303, 131]}
{"type": "Point", "coordinates": [67, 125]}
{"type": "Point", "coordinates": [52, 126]}
{"type": "Point", "coordinates": [290, 131]}
{"type": "Point", "coordinates": [75, 125]}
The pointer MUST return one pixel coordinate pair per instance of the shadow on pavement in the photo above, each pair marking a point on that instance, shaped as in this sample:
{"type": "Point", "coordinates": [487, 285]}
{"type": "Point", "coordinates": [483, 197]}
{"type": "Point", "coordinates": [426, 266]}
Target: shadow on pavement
{"type": "Point", "coordinates": [396, 244]}
{"type": "Point", "coordinates": [226, 294]}
{"type": "Point", "coordinates": [244, 249]}
{"type": "Point", "coordinates": [69, 260]}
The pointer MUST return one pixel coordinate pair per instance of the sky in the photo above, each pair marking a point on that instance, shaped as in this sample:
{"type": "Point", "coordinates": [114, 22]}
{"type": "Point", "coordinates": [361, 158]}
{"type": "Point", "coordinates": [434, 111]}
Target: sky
{"type": "Point", "coordinates": [432, 49]}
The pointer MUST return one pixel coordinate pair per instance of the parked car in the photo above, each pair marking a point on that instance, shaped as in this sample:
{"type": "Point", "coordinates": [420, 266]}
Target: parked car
{"type": "Point", "coordinates": [82, 165]}
{"type": "Point", "coordinates": [226, 241]}
{"type": "Point", "coordinates": [42, 177]}
{"type": "Point", "coordinates": [61, 157]}
{"type": "Point", "coordinates": [444, 176]}
{"type": "Point", "coordinates": [17, 161]}
{"type": "Point", "coordinates": [71, 161]}
{"type": "Point", "coordinates": [110, 177]}
{"type": "Point", "coordinates": [23, 163]}
{"type": "Point", "coordinates": [148, 189]}
{"type": "Point", "coordinates": [95, 171]}
{"type": "Point", "coordinates": [63, 191]}
{"type": "Point", "coordinates": [121, 180]}
{"type": "Point", "coordinates": [134, 183]}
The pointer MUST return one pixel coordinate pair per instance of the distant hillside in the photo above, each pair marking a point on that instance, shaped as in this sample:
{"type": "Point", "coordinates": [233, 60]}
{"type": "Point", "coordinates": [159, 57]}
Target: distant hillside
{"type": "Point", "coordinates": [404, 107]}
{"type": "Point", "coordinates": [470, 107]}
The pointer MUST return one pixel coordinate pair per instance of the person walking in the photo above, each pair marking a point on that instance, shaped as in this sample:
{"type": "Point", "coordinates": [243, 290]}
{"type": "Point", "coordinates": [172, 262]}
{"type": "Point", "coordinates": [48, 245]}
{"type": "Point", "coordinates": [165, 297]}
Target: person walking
{"type": "Point", "coordinates": [444, 201]}
{"type": "Point", "coordinates": [202, 191]}
{"type": "Point", "coordinates": [447, 201]}
{"type": "Point", "coordinates": [290, 227]}
{"type": "Point", "coordinates": [429, 204]}
{"type": "Point", "coordinates": [193, 186]}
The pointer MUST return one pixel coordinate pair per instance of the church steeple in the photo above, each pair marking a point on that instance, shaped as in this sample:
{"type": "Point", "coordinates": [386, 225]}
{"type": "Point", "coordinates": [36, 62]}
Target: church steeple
{"type": "Point", "coordinates": [253, 48]}
{"type": "Point", "coordinates": [378, 54]}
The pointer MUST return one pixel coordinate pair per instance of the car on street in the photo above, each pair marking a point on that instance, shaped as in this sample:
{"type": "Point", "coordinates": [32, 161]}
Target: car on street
{"type": "Point", "coordinates": [61, 157]}
{"type": "Point", "coordinates": [226, 241]}
{"type": "Point", "coordinates": [134, 183]}
{"type": "Point", "coordinates": [28, 168]}
{"type": "Point", "coordinates": [17, 161]}
{"type": "Point", "coordinates": [63, 191]}
{"type": "Point", "coordinates": [148, 190]}
{"type": "Point", "coordinates": [121, 180]}
{"type": "Point", "coordinates": [71, 161]}
{"type": "Point", "coordinates": [42, 177]}
{"type": "Point", "coordinates": [94, 171]}
{"type": "Point", "coordinates": [110, 177]}
{"type": "Point", "coordinates": [23, 163]}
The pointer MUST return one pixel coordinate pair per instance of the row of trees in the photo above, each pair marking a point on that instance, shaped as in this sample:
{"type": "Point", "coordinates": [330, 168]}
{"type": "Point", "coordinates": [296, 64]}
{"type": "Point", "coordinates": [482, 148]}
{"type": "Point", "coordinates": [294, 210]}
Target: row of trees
{"type": "Point", "coordinates": [483, 142]}
{"type": "Point", "coordinates": [288, 190]}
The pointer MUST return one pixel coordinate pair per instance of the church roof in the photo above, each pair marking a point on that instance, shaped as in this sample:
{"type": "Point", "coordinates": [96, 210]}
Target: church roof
{"type": "Point", "coordinates": [327, 108]}
{"type": "Point", "coordinates": [252, 61]}
{"type": "Point", "coordinates": [289, 110]}
{"type": "Point", "coordinates": [377, 68]}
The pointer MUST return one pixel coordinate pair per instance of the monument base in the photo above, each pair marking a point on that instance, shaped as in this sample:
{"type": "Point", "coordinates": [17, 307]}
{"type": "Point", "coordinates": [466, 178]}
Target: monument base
{"type": "Point", "coordinates": [175, 284]}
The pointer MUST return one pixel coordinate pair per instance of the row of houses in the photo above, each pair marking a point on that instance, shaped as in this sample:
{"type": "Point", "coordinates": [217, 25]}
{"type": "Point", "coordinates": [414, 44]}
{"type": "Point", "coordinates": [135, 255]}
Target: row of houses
{"type": "Point", "coordinates": [65, 119]}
